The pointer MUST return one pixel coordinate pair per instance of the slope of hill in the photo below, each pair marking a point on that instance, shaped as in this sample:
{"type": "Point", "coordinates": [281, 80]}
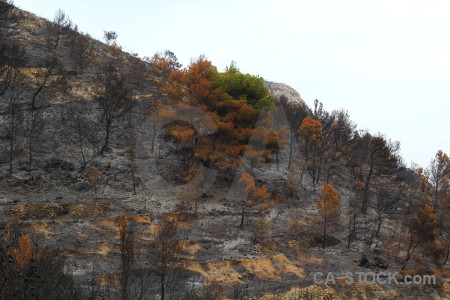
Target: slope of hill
{"type": "Point", "coordinates": [102, 162]}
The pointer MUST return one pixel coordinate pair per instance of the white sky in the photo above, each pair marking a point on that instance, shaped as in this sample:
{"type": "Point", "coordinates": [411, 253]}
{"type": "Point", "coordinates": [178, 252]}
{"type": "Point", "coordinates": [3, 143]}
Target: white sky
{"type": "Point", "coordinates": [386, 62]}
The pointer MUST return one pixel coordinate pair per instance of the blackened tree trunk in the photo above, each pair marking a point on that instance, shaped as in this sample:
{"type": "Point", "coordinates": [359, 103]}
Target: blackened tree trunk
{"type": "Point", "coordinates": [105, 146]}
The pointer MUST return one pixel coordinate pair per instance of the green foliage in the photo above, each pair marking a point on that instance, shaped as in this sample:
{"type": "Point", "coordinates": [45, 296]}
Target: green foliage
{"type": "Point", "coordinates": [245, 87]}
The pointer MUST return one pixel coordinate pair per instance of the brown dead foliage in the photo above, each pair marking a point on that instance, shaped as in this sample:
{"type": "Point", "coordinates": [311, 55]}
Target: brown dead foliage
{"type": "Point", "coordinates": [184, 217]}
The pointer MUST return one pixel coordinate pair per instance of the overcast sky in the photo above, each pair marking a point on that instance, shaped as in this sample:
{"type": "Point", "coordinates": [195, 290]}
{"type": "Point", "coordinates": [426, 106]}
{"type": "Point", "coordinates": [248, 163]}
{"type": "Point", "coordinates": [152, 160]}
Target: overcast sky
{"type": "Point", "coordinates": [386, 62]}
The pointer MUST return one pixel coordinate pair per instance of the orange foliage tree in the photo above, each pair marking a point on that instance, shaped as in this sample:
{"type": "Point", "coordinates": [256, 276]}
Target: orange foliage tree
{"type": "Point", "coordinates": [422, 233]}
{"type": "Point", "coordinates": [252, 197]}
{"type": "Point", "coordinates": [328, 206]}
{"type": "Point", "coordinates": [424, 224]}
{"type": "Point", "coordinates": [311, 136]}
{"type": "Point", "coordinates": [24, 253]}
{"type": "Point", "coordinates": [275, 143]}
{"type": "Point", "coordinates": [31, 272]}
{"type": "Point", "coordinates": [166, 254]}
{"type": "Point", "coordinates": [126, 253]}
{"type": "Point", "coordinates": [232, 105]}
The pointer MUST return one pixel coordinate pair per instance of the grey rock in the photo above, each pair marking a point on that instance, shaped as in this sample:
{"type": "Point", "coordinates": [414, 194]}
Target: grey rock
{"type": "Point", "coordinates": [279, 89]}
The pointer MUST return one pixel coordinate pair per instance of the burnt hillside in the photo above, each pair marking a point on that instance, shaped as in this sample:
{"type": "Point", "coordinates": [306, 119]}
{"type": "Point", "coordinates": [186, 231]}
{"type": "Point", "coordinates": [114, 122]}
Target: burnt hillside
{"type": "Point", "coordinates": [138, 178]}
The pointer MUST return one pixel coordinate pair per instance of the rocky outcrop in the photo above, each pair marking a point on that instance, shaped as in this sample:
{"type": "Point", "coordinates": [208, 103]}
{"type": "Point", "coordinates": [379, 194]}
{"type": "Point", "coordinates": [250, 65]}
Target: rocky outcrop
{"type": "Point", "coordinates": [279, 89]}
